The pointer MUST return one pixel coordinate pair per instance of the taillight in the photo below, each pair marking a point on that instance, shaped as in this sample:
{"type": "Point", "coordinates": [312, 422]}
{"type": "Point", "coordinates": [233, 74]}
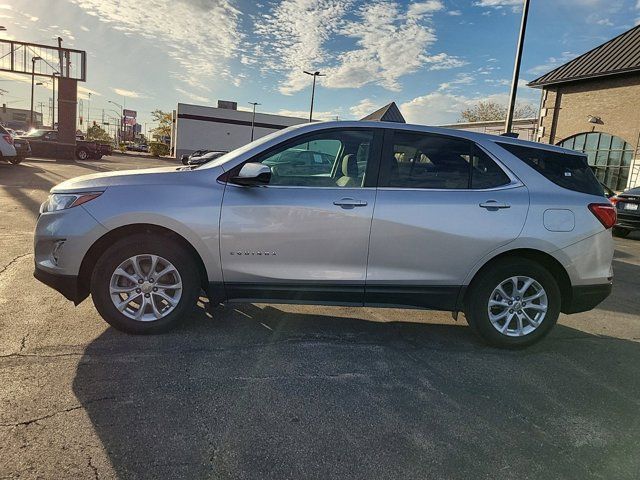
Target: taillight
{"type": "Point", "coordinates": [8, 139]}
{"type": "Point", "coordinates": [605, 212]}
{"type": "Point", "coordinates": [614, 200]}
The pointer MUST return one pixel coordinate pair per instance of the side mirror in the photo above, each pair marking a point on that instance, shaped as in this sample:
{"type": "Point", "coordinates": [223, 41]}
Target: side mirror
{"type": "Point", "coordinates": [252, 174]}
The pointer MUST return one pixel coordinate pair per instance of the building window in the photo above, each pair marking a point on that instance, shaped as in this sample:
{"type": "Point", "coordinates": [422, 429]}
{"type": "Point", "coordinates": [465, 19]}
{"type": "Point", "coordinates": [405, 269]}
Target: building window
{"type": "Point", "coordinates": [610, 156]}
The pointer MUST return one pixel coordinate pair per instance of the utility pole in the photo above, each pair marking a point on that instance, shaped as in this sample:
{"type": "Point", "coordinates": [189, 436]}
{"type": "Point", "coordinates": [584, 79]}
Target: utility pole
{"type": "Point", "coordinates": [313, 90]}
{"type": "Point", "coordinates": [253, 118]}
{"type": "Point", "coordinates": [53, 104]}
{"type": "Point", "coordinates": [88, 109]}
{"type": "Point", "coordinates": [516, 68]}
{"type": "Point", "coordinates": [33, 85]}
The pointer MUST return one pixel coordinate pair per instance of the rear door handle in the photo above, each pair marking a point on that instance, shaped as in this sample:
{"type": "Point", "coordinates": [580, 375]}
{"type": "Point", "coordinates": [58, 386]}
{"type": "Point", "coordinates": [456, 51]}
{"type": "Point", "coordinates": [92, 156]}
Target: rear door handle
{"type": "Point", "coordinates": [494, 205]}
{"type": "Point", "coordinates": [350, 203]}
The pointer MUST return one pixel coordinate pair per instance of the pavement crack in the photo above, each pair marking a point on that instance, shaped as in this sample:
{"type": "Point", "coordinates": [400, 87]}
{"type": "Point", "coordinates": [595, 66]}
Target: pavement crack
{"type": "Point", "coordinates": [14, 260]}
{"type": "Point", "coordinates": [26, 423]}
{"type": "Point", "coordinates": [93, 467]}
{"type": "Point", "coordinates": [23, 342]}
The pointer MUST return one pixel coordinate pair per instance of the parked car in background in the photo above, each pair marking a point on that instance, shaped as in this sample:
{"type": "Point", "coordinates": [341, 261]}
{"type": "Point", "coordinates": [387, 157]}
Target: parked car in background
{"type": "Point", "coordinates": [7, 149]}
{"type": "Point", "coordinates": [134, 147]}
{"type": "Point", "coordinates": [207, 157]}
{"type": "Point", "coordinates": [510, 232]}
{"type": "Point", "coordinates": [628, 207]}
{"type": "Point", "coordinates": [198, 153]}
{"type": "Point", "coordinates": [44, 143]}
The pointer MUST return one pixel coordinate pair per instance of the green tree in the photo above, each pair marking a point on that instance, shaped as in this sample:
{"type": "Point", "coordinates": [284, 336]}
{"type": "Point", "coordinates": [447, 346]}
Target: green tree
{"type": "Point", "coordinates": [96, 133]}
{"type": "Point", "coordinates": [164, 120]}
{"type": "Point", "coordinates": [485, 111]}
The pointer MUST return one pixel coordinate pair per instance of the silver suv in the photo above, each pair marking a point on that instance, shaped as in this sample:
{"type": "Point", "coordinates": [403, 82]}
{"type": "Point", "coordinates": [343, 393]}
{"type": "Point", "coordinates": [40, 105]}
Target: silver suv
{"type": "Point", "coordinates": [352, 213]}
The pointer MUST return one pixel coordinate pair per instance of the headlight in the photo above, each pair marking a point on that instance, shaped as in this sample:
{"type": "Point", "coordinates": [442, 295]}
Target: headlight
{"type": "Point", "coordinates": [61, 201]}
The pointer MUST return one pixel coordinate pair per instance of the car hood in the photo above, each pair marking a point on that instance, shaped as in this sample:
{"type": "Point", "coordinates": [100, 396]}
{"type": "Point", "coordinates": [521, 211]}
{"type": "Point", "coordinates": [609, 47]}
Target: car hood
{"type": "Point", "coordinates": [149, 176]}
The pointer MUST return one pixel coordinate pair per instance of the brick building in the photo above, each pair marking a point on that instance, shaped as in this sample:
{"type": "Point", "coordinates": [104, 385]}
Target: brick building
{"type": "Point", "coordinates": [592, 104]}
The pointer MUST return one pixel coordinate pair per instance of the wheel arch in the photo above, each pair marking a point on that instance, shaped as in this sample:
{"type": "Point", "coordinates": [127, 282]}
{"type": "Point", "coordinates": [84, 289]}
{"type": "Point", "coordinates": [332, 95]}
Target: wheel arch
{"type": "Point", "coordinates": [546, 260]}
{"type": "Point", "coordinates": [112, 236]}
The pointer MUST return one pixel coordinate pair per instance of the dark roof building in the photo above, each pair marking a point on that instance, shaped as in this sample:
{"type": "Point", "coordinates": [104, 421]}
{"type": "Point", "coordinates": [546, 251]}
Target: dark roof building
{"type": "Point", "coordinates": [388, 113]}
{"type": "Point", "coordinates": [619, 55]}
{"type": "Point", "coordinates": [592, 104]}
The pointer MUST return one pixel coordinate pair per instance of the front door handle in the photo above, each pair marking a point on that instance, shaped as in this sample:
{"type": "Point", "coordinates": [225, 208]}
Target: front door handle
{"type": "Point", "coordinates": [350, 203]}
{"type": "Point", "coordinates": [494, 205]}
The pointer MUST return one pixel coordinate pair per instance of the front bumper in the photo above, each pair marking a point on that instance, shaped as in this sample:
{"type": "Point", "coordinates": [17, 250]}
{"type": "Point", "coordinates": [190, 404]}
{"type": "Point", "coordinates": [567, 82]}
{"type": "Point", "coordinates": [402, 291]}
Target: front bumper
{"type": "Point", "coordinates": [67, 285]}
{"type": "Point", "coordinates": [586, 297]}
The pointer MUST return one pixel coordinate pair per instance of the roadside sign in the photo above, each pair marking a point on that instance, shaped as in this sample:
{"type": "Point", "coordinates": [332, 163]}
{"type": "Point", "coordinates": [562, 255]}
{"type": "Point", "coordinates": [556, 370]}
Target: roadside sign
{"type": "Point", "coordinates": [129, 113]}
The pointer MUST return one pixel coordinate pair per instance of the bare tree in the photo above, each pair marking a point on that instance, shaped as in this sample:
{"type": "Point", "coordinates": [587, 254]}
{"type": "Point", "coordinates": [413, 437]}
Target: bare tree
{"type": "Point", "coordinates": [485, 111]}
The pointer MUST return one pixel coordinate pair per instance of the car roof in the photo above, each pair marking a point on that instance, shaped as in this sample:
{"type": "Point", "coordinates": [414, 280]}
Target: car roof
{"type": "Point", "coordinates": [465, 134]}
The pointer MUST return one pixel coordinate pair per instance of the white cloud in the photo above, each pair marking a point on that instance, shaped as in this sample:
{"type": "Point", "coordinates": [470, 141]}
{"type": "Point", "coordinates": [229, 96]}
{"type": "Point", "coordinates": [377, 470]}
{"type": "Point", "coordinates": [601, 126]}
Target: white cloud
{"type": "Point", "coordinates": [127, 93]}
{"type": "Point", "coordinates": [437, 108]}
{"type": "Point", "coordinates": [454, 13]}
{"type": "Point", "coordinates": [324, 116]}
{"type": "Point", "coordinates": [391, 41]}
{"type": "Point", "coordinates": [295, 33]}
{"type": "Point", "coordinates": [365, 107]}
{"type": "Point", "coordinates": [201, 36]}
{"type": "Point", "coordinates": [551, 63]}
{"type": "Point", "coordinates": [460, 79]}
{"type": "Point", "coordinates": [499, 3]}
{"type": "Point", "coordinates": [193, 96]}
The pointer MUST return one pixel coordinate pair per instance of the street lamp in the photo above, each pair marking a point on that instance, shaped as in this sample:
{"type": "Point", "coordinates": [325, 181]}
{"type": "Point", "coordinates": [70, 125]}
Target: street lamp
{"type": "Point", "coordinates": [121, 119]}
{"type": "Point", "coordinates": [33, 81]}
{"type": "Point", "coordinates": [53, 103]}
{"type": "Point", "coordinates": [516, 68]}
{"type": "Point", "coordinates": [253, 119]}
{"type": "Point", "coordinates": [313, 90]}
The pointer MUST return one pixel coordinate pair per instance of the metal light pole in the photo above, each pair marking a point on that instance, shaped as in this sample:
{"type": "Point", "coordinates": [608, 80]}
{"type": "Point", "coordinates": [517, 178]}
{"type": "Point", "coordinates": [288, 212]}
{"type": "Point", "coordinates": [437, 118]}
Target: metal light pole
{"type": "Point", "coordinates": [516, 69]}
{"type": "Point", "coordinates": [33, 84]}
{"type": "Point", "coordinates": [121, 119]}
{"type": "Point", "coordinates": [53, 104]}
{"type": "Point", "coordinates": [253, 118]}
{"type": "Point", "coordinates": [313, 90]}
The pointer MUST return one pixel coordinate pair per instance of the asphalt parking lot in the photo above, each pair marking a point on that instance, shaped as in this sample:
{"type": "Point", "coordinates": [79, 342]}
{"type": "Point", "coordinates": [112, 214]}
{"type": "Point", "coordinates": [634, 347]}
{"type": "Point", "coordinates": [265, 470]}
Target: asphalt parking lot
{"type": "Point", "coordinates": [272, 391]}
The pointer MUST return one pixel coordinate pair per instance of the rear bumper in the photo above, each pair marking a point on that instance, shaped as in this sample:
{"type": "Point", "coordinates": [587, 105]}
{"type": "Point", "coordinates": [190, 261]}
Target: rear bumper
{"type": "Point", "coordinates": [586, 297]}
{"type": "Point", "coordinates": [67, 285]}
{"type": "Point", "coordinates": [631, 222]}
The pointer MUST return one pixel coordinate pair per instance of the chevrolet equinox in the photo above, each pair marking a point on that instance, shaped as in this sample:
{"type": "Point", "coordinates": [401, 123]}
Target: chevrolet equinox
{"type": "Point", "coordinates": [352, 213]}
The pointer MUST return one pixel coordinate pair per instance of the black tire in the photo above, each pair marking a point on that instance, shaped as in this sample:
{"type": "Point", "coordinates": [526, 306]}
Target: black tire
{"type": "Point", "coordinates": [82, 154]}
{"type": "Point", "coordinates": [141, 244]}
{"type": "Point", "coordinates": [621, 232]}
{"type": "Point", "coordinates": [480, 290]}
{"type": "Point", "coordinates": [15, 160]}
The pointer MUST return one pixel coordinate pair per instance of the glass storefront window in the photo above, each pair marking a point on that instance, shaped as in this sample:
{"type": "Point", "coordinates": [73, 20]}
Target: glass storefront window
{"type": "Point", "coordinates": [606, 153]}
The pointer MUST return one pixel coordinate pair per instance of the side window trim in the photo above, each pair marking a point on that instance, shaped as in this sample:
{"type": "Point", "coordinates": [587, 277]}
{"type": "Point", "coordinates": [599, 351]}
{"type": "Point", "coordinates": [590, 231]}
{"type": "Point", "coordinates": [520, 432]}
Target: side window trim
{"type": "Point", "coordinates": [387, 152]}
{"type": "Point", "coordinates": [377, 140]}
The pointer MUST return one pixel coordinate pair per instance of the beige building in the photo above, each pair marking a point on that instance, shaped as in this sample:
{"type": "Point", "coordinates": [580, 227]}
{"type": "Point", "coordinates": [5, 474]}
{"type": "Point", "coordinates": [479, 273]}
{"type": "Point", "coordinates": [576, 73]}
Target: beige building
{"type": "Point", "coordinates": [526, 128]}
{"type": "Point", "coordinates": [592, 104]}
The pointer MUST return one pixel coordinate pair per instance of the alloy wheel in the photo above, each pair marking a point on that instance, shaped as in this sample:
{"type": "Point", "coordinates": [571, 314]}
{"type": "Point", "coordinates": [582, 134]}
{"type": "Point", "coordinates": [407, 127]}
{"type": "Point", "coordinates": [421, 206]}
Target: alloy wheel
{"type": "Point", "coordinates": [145, 287]}
{"type": "Point", "coordinates": [517, 306]}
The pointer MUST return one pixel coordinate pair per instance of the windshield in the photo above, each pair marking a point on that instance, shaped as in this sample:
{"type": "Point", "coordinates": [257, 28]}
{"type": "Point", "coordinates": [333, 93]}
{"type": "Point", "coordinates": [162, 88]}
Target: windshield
{"type": "Point", "coordinates": [239, 151]}
{"type": "Point", "coordinates": [36, 133]}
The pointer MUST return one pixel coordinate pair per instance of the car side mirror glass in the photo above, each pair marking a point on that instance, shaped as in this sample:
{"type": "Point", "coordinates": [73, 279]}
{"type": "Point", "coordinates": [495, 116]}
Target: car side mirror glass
{"type": "Point", "coordinates": [252, 174]}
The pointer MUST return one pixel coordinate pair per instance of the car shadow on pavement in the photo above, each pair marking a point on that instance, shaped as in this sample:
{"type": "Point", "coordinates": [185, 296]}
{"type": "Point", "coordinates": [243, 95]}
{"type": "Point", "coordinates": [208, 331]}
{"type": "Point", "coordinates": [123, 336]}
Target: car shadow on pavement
{"type": "Point", "coordinates": [260, 392]}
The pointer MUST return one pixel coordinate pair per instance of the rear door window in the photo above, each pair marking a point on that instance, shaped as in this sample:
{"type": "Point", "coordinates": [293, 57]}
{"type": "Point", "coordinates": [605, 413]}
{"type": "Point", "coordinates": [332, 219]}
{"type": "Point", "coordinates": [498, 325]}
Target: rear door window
{"type": "Point", "coordinates": [570, 171]}
{"type": "Point", "coordinates": [429, 161]}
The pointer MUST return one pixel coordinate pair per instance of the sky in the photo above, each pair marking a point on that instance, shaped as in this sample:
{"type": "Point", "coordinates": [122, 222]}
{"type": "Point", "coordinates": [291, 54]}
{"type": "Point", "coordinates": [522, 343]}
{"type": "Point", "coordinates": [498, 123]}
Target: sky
{"type": "Point", "coordinates": [433, 58]}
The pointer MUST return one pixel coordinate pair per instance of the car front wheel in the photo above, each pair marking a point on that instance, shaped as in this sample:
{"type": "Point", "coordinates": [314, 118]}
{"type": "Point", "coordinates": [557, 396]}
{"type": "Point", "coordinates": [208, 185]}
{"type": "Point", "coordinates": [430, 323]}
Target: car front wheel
{"type": "Point", "coordinates": [15, 160]}
{"type": "Point", "coordinates": [145, 284]}
{"type": "Point", "coordinates": [513, 303]}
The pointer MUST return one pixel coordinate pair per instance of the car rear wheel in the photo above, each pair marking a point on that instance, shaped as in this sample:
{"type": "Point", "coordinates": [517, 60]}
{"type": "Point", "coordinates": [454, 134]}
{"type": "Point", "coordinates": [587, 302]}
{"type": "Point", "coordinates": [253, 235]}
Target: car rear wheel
{"type": "Point", "coordinates": [513, 303]}
{"type": "Point", "coordinates": [621, 232]}
{"type": "Point", "coordinates": [82, 154]}
{"type": "Point", "coordinates": [15, 160]}
{"type": "Point", "coordinates": [144, 284]}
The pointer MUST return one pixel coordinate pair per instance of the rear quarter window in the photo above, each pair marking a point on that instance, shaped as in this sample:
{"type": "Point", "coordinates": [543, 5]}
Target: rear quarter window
{"type": "Point", "coordinates": [567, 170]}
